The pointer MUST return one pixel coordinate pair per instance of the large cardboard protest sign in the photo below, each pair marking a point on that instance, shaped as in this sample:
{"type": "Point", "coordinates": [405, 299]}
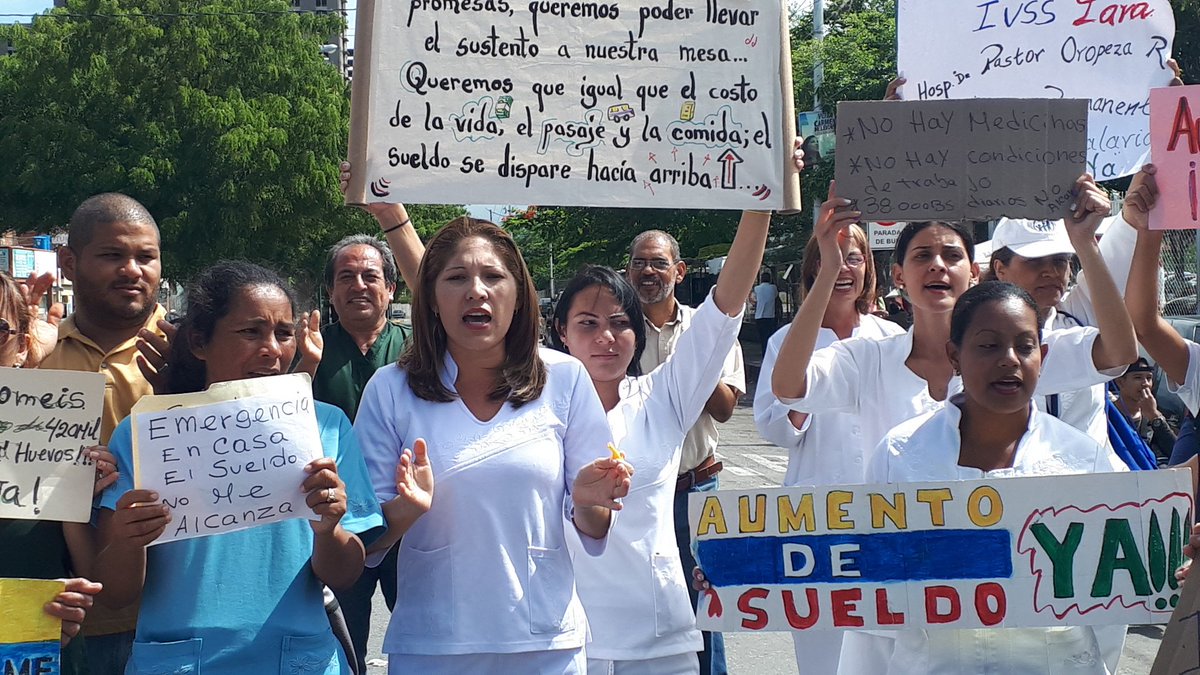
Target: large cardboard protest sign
{"type": "Point", "coordinates": [29, 638]}
{"type": "Point", "coordinates": [1106, 51]}
{"type": "Point", "coordinates": [48, 419]}
{"type": "Point", "coordinates": [1175, 141]}
{"type": "Point", "coordinates": [1009, 552]}
{"type": "Point", "coordinates": [646, 103]}
{"type": "Point", "coordinates": [955, 160]}
{"type": "Point", "coordinates": [229, 458]}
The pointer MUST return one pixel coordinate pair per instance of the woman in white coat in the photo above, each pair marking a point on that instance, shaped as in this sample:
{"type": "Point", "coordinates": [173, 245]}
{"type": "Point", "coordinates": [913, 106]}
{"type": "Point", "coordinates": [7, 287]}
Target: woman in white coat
{"type": "Point", "coordinates": [990, 430]}
{"type": "Point", "coordinates": [885, 382]}
{"type": "Point", "coordinates": [635, 592]}
{"type": "Point", "coordinates": [824, 449]}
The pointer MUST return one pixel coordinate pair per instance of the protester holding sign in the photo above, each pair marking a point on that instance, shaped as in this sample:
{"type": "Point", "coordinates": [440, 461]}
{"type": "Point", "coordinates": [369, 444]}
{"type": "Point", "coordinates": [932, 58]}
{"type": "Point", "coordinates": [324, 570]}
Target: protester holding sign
{"type": "Point", "coordinates": [811, 440]}
{"type": "Point", "coordinates": [247, 601]}
{"type": "Point", "coordinates": [485, 581]}
{"type": "Point", "coordinates": [988, 430]}
{"type": "Point", "coordinates": [46, 549]}
{"type": "Point", "coordinates": [650, 628]}
{"type": "Point", "coordinates": [1178, 357]}
{"type": "Point", "coordinates": [888, 381]}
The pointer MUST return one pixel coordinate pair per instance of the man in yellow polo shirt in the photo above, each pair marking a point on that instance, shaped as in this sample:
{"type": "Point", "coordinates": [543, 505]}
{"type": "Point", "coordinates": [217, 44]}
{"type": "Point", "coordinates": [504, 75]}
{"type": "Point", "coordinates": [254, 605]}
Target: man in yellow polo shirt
{"type": "Point", "coordinates": [112, 259]}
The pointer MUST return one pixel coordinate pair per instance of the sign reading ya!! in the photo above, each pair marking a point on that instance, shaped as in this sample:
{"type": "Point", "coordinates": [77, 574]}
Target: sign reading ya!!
{"type": "Point", "coordinates": [965, 554]}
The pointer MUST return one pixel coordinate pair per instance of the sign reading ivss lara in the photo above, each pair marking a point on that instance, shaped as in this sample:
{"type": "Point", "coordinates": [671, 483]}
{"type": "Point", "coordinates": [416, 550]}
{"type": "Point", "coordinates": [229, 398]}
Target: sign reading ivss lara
{"type": "Point", "coordinates": [648, 103]}
{"type": "Point", "coordinates": [955, 160]}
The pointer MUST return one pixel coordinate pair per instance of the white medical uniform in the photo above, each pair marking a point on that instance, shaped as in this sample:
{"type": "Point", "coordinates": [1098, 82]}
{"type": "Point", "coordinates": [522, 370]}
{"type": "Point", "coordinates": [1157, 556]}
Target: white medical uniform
{"type": "Point", "coordinates": [487, 573]}
{"type": "Point", "coordinates": [842, 462]}
{"type": "Point", "coordinates": [635, 592]}
{"type": "Point", "coordinates": [928, 450]}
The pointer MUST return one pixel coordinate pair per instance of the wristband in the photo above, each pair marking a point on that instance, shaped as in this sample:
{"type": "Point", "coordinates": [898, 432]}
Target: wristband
{"type": "Point", "coordinates": [397, 226]}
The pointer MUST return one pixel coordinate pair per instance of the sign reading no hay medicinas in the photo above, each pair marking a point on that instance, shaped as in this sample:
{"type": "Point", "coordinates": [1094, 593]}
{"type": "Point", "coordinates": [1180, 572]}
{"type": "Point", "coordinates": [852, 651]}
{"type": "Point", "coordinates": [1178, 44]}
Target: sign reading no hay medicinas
{"type": "Point", "coordinates": [638, 103]}
{"type": "Point", "coordinates": [1111, 53]}
{"type": "Point", "coordinates": [1010, 552]}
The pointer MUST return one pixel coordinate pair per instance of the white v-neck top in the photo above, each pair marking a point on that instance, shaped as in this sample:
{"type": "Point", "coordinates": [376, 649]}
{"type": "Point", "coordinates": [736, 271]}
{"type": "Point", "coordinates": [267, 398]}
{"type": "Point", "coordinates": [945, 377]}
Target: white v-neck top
{"type": "Point", "coordinates": [869, 379]}
{"type": "Point", "coordinates": [487, 569]}
{"type": "Point", "coordinates": [843, 460]}
{"type": "Point", "coordinates": [635, 592]}
{"type": "Point", "coordinates": [927, 449]}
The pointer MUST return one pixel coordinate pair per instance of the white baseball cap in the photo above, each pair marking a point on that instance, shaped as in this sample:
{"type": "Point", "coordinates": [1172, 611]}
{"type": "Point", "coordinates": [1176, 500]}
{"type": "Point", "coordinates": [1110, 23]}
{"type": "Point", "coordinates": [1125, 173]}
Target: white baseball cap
{"type": "Point", "coordinates": [1032, 238]}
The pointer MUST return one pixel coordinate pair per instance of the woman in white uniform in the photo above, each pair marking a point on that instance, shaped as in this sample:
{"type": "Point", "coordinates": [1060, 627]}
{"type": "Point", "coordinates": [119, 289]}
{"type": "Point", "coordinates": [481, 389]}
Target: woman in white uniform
{"type": "Point", "coordinates": [635, 592]}
{"type": "Point", "coordinates": [991, 430]}
{"type": "Point", "coordinates": [884, 382]}
{"type": "Point", "coordinates": [804, 436]}
{"type": "Point", "coordinates": [485, 581]}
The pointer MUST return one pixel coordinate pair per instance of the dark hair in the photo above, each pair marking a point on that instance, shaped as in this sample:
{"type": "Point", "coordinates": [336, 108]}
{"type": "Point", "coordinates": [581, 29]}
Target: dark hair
{"type": "Point", "coordinates": [1003, 254]}
{"type": "Point", "coordinates": [978, 296]}
{"type": "Point", "coordinates": [390, 274]}
{"type": "Point", "coordinates": [209, 299]}
{"type": "Point", "coordinates": [102, 209]}
{"type": "Point", "coordinates": [910, 231]}
{"type": "Point", "coordinates": [627, 298]}
{"type": "Point", "coordinates": [523, 375]}
{"type": "Point", "coordinates": [812, 262]}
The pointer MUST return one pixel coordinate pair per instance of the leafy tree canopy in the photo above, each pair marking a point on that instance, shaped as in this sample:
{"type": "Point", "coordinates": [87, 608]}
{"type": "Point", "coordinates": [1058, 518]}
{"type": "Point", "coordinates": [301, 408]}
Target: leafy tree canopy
{"type": "Point", "coordinates": [221, 116]}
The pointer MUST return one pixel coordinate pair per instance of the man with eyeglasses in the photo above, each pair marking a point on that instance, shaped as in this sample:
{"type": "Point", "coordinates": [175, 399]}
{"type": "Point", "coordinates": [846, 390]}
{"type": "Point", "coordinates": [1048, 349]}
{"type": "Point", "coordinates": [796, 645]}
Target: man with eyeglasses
{"type": "Point", "coordinates": [655, 267]}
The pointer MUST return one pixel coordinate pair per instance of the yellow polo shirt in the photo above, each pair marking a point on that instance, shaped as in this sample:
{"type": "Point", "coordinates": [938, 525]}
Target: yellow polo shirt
{"type": "Point", "coordinates": [124, 385]}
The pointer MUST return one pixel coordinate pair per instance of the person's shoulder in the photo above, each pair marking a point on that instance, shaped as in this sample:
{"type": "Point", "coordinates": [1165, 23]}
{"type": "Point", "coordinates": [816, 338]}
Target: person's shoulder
{"type": "Point", "coordinates": [329, 414]}
{"type": "Point", "coordinates": [880, 326]}
{"type": "Point", "coordinates": [556, 360]}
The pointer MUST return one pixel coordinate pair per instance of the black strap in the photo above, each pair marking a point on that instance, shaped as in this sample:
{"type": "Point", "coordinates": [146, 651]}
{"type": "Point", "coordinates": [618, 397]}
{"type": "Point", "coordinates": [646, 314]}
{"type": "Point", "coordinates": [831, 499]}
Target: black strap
{"type": "Point", "coordinates": [1052, 405]}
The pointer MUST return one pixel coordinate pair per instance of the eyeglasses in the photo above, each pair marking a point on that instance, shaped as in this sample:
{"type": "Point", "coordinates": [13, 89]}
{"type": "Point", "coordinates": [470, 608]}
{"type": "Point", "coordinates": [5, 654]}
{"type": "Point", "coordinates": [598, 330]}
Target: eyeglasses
{"type": "Point", "coordinates": [6, 330]}
{"type": "Point", "coordinates": [854, 260]}
{"type": "Point", "coordinates": [639, 264]}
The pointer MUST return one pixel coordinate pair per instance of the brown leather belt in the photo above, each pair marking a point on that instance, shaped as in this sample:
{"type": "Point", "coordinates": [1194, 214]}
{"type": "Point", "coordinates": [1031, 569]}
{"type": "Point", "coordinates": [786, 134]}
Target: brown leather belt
{"type": "Point", "coordinates": [707, 469]}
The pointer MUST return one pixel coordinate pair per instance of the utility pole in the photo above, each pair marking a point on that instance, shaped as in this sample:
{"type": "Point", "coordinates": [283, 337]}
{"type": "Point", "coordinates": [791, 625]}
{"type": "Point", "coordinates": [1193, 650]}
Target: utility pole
{"type": "Point", "coordinates": [818, 76]}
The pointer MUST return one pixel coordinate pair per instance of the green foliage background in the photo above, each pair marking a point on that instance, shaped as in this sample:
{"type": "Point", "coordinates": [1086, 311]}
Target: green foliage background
{"type": "Point", "coordinates": [224, 120]}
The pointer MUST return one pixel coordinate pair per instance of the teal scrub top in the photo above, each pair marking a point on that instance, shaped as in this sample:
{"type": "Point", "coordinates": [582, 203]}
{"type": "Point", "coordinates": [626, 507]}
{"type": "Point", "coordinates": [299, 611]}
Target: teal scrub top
{"type": "Point", "coordinates": [246, 602]}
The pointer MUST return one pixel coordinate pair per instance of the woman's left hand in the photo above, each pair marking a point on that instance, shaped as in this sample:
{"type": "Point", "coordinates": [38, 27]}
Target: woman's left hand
{"type": "Point", "coordinates": [602, 483]}
{"type": "Point", "coordinates": [326, 494]}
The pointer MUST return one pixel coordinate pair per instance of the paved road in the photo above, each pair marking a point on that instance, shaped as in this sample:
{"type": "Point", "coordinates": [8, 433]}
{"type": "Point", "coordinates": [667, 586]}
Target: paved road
{"type": "Point", "coordinates": [752, 462]}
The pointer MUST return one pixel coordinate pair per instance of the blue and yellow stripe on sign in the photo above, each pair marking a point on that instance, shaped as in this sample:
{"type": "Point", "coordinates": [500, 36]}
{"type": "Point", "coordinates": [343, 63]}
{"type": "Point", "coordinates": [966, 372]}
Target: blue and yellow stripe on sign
{"type": "Point", "coordinates": [919, 555]}
{"type": "Point", "coordinates": [34, 658]}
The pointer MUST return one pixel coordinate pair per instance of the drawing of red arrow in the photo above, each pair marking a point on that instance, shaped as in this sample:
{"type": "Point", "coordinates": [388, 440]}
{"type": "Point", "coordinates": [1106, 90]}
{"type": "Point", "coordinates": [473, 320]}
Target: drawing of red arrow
{"type": "Point", "coordinates": [729, 174]}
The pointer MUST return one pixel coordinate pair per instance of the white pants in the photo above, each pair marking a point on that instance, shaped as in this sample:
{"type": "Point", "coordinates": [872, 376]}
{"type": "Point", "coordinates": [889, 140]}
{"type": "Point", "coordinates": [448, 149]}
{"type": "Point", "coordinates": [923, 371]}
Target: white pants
{"type": "Point", "coordinates": [675, 664]}
{"type": "Point", "coordinates": [817, 652]}
{"type": "Point", "coordinates": [554, 662]}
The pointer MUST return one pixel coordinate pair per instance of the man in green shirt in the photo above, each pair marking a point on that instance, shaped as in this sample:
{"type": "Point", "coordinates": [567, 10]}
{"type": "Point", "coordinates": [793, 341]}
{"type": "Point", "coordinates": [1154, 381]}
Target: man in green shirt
{"type": "Point", "coordinates": [361, 277]}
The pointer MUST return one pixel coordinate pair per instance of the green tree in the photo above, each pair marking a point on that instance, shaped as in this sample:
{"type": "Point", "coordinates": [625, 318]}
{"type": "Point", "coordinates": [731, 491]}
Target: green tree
{"type": "Point", "coordinates": [221, 116]}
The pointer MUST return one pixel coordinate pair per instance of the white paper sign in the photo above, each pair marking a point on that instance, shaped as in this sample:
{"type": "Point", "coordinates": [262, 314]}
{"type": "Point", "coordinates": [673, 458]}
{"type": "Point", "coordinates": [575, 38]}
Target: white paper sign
{"type": "Point", "coordinates": [1109, 52]}
{"type": "Point", "coordinates": [883, 236]}
{"type": "Point", "coordinates": [229, 464]}
{"type": "Point", "coordinates": [648, 103]}
{"type": "Point", "coordinates": [47, 420]}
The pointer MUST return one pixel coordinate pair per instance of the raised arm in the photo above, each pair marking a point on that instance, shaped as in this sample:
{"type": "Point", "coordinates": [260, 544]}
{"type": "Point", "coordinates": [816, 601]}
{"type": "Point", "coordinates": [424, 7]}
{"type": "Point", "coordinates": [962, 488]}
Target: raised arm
{"type": "Point", "coordinates": [789, 379]}
{"type": "Point", "coordinates": [398, 228]}
{"type": "Point", "coordinates": [1116, 345]}
{"type": "Point", "coordinates": [1164, 345]}
{"type": "Point", "coordinates": [737, 276]}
